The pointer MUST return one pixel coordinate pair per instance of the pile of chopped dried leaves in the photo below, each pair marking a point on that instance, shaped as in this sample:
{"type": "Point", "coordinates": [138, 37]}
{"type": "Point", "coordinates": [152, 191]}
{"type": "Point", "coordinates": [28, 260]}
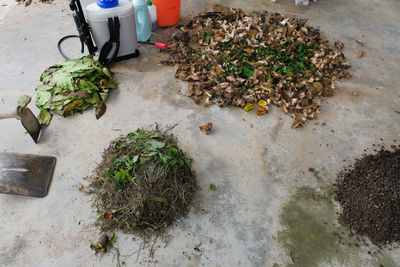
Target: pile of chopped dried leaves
{"type": "Point", "coordinates": [369, 193]}
{"type": "Point", "coordinates": [144, 183]}
{"type": "Point", "coordinates": [73, 86]}
{"type": "Point", "coordinates": [28, 2]}
{"type": "Point", "coordinates": [239, 59]}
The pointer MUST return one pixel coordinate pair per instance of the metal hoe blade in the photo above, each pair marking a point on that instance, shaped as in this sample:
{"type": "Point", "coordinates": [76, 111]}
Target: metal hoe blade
{"type": "Point", "coordinates": [30, 122]}
{"type": "Point", "coordinates": [25, 174]}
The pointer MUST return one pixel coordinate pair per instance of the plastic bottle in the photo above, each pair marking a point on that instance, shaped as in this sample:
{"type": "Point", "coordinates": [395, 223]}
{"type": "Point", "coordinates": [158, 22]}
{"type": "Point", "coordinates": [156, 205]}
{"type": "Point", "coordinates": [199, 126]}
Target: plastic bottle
{"type": "Point", "coordinates": [97, 15]}
{"type": "Point", "coordinates": [168, 12]}
{"type": "Point", "coordinates": [143, 22]}
{"type": "Point", "coordinates": [153, 15]}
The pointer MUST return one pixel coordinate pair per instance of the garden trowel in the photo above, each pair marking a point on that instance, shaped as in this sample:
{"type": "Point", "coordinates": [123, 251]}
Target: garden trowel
{"type": "Point", "coordinates": [25, 174]}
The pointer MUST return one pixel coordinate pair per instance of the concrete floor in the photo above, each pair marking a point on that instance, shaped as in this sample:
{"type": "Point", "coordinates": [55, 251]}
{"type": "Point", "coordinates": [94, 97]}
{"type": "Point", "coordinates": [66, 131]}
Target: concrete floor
{"type": "Point", "coordinates": [255, 162]}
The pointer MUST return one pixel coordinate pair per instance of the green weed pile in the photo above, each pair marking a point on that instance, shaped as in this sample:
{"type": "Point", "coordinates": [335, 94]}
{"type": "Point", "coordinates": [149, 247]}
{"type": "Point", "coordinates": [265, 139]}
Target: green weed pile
{"type": "Point", "coordinates": [143, 183]}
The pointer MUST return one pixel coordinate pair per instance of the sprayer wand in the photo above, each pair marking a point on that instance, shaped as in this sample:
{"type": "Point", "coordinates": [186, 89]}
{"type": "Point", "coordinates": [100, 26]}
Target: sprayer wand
{"type": "Point", "coordinates": [82, 26]}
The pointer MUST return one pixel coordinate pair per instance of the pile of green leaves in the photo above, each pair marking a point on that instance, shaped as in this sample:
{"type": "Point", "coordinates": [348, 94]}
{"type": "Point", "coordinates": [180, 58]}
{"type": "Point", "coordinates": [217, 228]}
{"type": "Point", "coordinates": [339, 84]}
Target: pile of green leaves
{"type": "Point", "coordinates": [73, 86]}
{"type": "Point", "coordinates": [144, 182]}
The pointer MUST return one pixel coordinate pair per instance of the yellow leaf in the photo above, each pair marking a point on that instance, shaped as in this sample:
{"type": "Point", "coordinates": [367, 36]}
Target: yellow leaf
{"type": "Point", "coordinates": [347, 75]}
{"type": "Point", "coordinates": [266, 88]}
{"type": "Point", "coordinates": [219, 69]}
{"type": "Point", "coordinates": [248, 107]}
{"type": "Point", "coordinates": [262, 103]}
{"type": "Point", "coordinates": [80, 187]}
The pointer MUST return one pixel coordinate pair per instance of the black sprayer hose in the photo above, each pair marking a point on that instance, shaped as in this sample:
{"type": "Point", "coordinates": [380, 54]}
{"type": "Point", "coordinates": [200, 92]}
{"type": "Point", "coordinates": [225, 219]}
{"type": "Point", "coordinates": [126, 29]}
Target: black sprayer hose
{"type": "Point", "coordinates": [62, 40]}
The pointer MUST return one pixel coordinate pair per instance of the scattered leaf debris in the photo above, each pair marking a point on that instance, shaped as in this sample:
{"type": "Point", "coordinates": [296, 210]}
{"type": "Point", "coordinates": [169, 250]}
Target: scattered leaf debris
{"type": "Point", "coordinates": [73, 86]}
{"type": "Point", "coordinates": [144, 183]}
{"type": "Point", "coordinates": [240, 59]}
{"type": "Point", "coordinates": [368, 192]}
{"type": "Point", "coordinates": [206, 128]}
{"type": "Point", "coordinates": [213, 187]}
{"type": "Point", "coordinates": [102, 244]}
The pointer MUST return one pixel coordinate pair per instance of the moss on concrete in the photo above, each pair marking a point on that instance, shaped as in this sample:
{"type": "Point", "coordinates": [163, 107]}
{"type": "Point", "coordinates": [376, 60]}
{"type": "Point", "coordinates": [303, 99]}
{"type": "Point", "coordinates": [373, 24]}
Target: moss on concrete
{"type": "Point", "coordinates": [312, 236]}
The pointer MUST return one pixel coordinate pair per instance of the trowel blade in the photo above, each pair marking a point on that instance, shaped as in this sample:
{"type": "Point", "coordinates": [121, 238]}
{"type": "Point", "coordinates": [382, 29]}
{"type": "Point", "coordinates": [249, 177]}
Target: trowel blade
{"type": "Point", "coordinates": [25, 174]}
{"type": "Point", "coordinates": [30, 122]}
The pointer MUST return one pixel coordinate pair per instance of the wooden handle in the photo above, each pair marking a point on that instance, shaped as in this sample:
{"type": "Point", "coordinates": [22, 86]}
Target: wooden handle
{"type": "Point", "coordinates": [9, 114]}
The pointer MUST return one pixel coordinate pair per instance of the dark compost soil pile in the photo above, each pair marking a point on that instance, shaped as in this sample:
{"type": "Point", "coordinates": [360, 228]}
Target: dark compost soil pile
{"type": "Point", "coordinates": [369, 193]}
{"type": "Point", "coordinates": [144, 182]}
{"type": "Point", "coordinates": [242, 59]}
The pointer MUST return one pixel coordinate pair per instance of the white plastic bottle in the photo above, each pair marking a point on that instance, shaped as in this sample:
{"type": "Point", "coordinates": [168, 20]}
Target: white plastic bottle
{"type": "Point", "coordinates": [153, 15]}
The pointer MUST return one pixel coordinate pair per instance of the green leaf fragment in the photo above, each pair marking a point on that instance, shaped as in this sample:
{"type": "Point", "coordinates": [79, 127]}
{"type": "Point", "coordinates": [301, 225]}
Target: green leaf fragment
{"type": "Point", "coordinates": [107, 72]}
{"type": "Point", "coordinates": [113, 238]}
{"type": "Point", "coordinates": [44, 117]}
{"type": "Point", "coordinates": [59, 97]}
{"type": "Point", "coordinates": [153, 145]}
{"type": "Point", "coordinates": [24, 100]}
{"type": "Point", "coordinates": [207, 37]}
{"type": "Point", "coordinates": [43, 99]}
{"type": "Point", "coordinates": [248, 107]}
{"type": "Point", "coordinates": [213, 187]}
{"type": "Point", "coordinates": [63, 79]}
{"type": "Point", "coordinates": [104, 96]}
{"type": "Point", "coordinates": [100, 109]}
{"type": "Point", "coordinates": [94, 99]}
{"type": "Point", "coordinates": [143, 160]}
{"type": "Point", "coordinates": [247, 72]}
{"type": "Point", "coordinates": [44, 88]}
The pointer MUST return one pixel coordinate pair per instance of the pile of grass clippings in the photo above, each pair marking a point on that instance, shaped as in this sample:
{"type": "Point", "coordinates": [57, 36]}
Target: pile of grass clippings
{"type": "Point", "coordinates": [243, 59]}
{"type": "Point", "coordinates": [143, 183]}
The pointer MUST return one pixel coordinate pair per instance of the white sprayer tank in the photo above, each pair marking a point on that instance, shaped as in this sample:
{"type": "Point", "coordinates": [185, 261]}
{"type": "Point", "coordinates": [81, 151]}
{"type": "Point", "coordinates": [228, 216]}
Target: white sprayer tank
{"type": "Point", "coordinates": [97, 18]}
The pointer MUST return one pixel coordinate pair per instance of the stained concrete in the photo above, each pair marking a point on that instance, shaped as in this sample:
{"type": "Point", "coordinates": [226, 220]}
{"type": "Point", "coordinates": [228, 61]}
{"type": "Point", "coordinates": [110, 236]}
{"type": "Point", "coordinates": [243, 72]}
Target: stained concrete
{"type": "Point", "coordinates": [255, 162]}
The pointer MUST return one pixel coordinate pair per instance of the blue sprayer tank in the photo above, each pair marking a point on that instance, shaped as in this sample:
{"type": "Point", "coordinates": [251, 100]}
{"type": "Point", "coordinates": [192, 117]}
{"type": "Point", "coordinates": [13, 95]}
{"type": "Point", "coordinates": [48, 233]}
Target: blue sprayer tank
{"type": "Point", "coordinates": [143, 22]}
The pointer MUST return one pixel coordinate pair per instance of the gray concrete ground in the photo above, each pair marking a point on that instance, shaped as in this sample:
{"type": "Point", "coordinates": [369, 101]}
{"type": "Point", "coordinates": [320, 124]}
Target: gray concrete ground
{"type": "Point", "coordinates": [255, 162]}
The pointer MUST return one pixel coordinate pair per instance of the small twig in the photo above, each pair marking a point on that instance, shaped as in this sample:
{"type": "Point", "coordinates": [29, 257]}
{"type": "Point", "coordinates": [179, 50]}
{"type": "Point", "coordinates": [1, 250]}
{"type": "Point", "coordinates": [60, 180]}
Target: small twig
{"type": "Point", "coordinates": [171, 127]}
{"type": "Point", "coordinates": [118, 262]}
{"type": "Point", "coordinates": [140, 248]}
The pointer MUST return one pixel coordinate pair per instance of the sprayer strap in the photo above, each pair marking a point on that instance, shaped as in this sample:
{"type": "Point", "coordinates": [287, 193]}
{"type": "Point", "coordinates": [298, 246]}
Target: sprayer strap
{"type": "Point", "coordinates": [113, 28]}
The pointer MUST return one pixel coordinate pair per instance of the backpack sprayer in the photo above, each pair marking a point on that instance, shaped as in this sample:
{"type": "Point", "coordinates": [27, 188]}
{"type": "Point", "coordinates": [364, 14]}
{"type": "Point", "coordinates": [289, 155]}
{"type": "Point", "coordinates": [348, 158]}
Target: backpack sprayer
{"type": "Point", "coordinates": [111, 24]}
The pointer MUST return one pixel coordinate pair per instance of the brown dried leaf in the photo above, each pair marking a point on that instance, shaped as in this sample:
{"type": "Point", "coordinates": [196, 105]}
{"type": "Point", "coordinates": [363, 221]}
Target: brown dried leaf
{"type": "Point", "coordinates": [360, 54]}
{"type": "Point", "coordinates": [261, 111]}
{"type": "Point", "coordinates": [206, 128]}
